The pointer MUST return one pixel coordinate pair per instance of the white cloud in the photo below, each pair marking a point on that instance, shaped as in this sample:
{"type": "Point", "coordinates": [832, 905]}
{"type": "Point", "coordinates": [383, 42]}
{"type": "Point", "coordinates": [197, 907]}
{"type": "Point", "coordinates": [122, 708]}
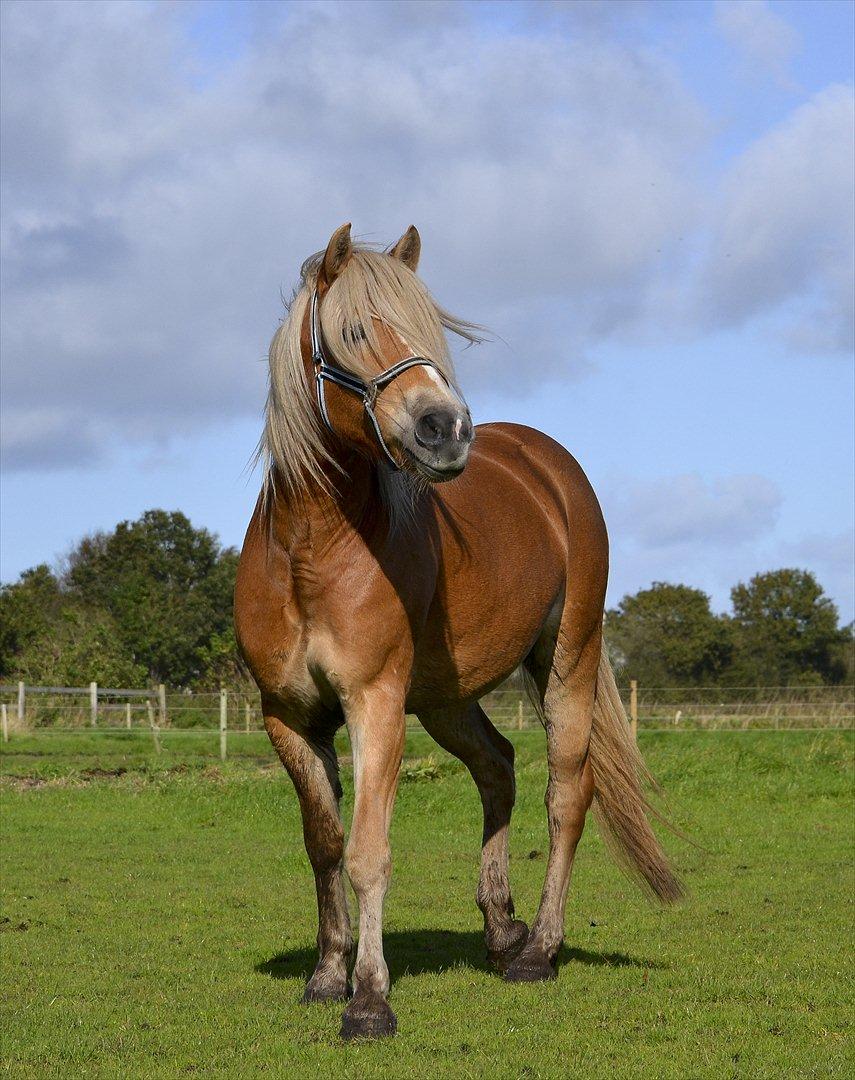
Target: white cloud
{"type": "Point", "coordinates": [762, 38]}
{"type": "Point", "coordinates": [687, 510]}
{"type": "Point", "coordinates": [153, 210]}
{"type": "Point", "coordinates": [831, 556]}
{"type": "Point", "coordinates": [783, 231]}
{"type": "Point", "coordinates": [155, 202]}
{"type": "Point", "coordinates": [48, 438]}
{"type": "Point", "coordinates": [706, 533]}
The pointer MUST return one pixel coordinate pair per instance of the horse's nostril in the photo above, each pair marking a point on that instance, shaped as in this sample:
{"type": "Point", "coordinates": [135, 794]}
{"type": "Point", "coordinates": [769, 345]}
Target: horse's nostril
{"type": "Point", "coordinates": [434, 428]}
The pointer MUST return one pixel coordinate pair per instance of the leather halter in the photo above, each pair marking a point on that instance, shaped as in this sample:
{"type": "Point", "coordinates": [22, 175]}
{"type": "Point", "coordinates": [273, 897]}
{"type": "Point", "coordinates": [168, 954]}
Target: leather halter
{"type": "Point", "coordinates": [367, 389]}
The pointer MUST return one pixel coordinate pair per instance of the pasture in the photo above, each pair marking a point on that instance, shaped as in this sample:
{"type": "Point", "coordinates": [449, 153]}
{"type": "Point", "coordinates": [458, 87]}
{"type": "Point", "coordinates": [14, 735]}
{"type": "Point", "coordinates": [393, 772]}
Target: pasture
{"type": "Point", "coordinates": [158, 916]}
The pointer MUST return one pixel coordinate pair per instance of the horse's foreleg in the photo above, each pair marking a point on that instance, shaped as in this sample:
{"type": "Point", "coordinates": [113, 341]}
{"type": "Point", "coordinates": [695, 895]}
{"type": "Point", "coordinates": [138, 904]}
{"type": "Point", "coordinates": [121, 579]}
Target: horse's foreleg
{"type": "Point", "coordinates": [569, 705]}
{"type": "Point", "coordinates": [489, 757]}
{"type": "Point", "coordinates": [312, 766]}
{"type": "Point", "coordinates": [377, 728]}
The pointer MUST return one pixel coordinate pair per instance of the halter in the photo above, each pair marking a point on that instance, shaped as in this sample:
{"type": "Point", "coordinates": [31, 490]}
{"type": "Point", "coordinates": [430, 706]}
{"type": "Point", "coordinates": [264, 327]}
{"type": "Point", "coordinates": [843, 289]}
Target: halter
{"type": "Point", "coordinates": [368, 390]}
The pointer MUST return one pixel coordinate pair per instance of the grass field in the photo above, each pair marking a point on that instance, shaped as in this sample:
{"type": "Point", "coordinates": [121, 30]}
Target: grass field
{"type": "Point", "coordinates": [160, 921]}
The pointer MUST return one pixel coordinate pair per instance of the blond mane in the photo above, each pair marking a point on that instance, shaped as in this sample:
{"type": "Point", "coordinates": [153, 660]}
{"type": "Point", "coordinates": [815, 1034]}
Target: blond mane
{"type": "Point", "coordinates": [373, 285]}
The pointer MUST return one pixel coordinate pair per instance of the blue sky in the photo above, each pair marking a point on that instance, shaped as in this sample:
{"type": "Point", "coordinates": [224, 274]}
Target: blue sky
{"type": "Point", "coordinates": [649, 203]}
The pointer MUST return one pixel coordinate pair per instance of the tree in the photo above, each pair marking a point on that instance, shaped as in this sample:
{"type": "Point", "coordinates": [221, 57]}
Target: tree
{"type": "Point", "coordinates": [221, 662]}
{"type": "Point", "coordinates": [167, 587]}
{"type": "Point", "coordinates": [149, 602]}
{"type": "Point", "coordinates": [845, 653]}
{"type": "Point", "coordinates": [28, 608]}
{"type": "Point", "coordinates": [80, 646]}
{"type": "Point", "coordinates": [786, 630]}
{"type": "Point", "coordinates": [667, 635]}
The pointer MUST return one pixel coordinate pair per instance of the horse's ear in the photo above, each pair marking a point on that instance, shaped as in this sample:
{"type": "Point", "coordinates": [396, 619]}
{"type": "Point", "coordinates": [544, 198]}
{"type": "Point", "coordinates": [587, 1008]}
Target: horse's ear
{"type": "Point", "coordinates": [409, 248]}
{"type": "Point", "coordinates": [337, 255]}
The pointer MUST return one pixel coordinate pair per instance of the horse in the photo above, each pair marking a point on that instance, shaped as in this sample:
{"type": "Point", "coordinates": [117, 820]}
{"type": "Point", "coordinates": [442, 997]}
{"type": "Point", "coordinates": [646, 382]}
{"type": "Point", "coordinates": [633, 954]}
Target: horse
{"type": "Point", "coordinates": [400, 560]}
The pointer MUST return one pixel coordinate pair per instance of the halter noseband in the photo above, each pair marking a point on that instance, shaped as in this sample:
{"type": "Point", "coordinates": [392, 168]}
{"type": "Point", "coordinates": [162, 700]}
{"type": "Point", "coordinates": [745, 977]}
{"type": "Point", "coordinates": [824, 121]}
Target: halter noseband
{"type": "Point", "coordinates": [368, 390]}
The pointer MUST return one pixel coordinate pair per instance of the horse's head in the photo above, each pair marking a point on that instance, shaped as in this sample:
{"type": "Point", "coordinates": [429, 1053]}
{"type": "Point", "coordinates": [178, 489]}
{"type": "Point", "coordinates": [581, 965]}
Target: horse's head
{"type": "Point", "coordinates": [384, 382]}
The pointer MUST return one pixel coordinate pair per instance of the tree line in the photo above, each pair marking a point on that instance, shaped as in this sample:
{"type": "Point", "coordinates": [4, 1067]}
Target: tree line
{"type": "Point", "coordinates": [782, 630]}
{"type": "Point", "coordinates": [151, 601]}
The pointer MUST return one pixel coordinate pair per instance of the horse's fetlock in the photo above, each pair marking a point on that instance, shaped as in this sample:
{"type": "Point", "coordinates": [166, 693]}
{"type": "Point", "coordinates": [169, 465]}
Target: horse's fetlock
{"type": "Point", "coordinates": [370, 978]}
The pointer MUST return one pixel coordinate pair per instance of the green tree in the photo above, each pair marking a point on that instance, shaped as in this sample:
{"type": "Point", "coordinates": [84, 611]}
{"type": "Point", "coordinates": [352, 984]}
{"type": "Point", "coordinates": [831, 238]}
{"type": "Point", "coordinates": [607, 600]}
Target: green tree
{"type": "Point", "coordinates": [845, 653]}
{"type": "Point", "coordinates": [786, 631]}
{"type": "Point", "coordinates": [221, 663]}
{"type": "Point", "coordinates": [167, 587]}
{"type": "Point", "coordinates": [667, 635]}
{"type": "Point", "coordinates": [28, 609]}
{"type": "Point", "coordinates": [81, 645]}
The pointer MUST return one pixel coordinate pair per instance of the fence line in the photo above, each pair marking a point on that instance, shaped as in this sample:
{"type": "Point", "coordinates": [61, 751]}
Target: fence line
{"type": "Point", "coordinates": [52, 709]}
{"type": "Point", "coordinates": [96, 696]}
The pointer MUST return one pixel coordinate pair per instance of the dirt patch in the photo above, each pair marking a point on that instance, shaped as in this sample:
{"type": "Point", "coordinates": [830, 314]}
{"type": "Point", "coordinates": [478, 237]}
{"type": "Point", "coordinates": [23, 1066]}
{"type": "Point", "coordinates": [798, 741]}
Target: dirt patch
{"type": "Point", "coordinates": [26, 783]}
{"type": "Point", "coordinates": [101, 774]}
{"type": "Point", "coordinates": [414, 770]}
{"type": "Point", "coordinates": [6, 925]}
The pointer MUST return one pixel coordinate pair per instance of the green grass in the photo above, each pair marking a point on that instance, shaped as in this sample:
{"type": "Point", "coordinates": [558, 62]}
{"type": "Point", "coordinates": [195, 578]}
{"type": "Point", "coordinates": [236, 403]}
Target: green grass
{"type": "Point", "coordinates": [160, 922]}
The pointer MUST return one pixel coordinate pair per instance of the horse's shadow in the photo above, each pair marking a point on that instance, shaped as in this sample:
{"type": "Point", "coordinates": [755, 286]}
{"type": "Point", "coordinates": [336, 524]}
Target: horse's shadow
{"type": "Point", "coordinates": [417, 952]}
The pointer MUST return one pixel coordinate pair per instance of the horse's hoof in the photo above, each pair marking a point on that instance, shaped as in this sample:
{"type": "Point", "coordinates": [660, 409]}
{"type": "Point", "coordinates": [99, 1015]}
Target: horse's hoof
{"type": "Point", "coordinates": [504, 948]}
{"type": "Point", "coordinates": [322, 991]}
{"type": "Point", "coordinates": [368, 1016]}
{"type": "Point", "coordinates": [530, 967]}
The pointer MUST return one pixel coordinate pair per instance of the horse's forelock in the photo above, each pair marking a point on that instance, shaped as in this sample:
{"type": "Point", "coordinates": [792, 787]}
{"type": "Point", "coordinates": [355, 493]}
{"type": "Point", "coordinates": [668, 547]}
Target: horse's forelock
{"type": "Point", "coordinates": [373, 285]}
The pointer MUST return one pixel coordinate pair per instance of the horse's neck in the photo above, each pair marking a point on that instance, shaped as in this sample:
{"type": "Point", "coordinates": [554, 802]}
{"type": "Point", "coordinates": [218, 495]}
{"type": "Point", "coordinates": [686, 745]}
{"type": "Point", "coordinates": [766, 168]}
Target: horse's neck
{"type": "Point", "coordinates": [320, 517]}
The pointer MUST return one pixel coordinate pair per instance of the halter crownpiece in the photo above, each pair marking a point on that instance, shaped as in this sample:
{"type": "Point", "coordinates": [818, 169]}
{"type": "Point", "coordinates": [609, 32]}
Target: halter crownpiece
{"type": "Point", "coordinates": [368, 390]}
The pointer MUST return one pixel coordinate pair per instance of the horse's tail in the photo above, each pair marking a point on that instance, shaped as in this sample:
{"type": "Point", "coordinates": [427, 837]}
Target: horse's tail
{"type": "Point", "coordinates": [620, 805]}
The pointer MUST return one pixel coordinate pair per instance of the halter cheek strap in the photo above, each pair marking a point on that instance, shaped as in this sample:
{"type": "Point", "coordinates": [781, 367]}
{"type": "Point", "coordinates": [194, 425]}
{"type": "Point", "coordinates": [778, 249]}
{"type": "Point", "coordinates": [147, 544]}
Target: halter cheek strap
{"type": "Point", "coordinates": [368, 390]}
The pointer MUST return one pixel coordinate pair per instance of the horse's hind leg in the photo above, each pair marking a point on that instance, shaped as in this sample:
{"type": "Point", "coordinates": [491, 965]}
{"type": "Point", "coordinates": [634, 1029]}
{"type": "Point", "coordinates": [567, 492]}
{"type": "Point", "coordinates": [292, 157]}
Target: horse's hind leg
{"type": "Point", "coordinates": [568, 701]}
{"type": "Point", "coordinates": [312, 765]}
{"type": "Point", "coordinates": [489, 757]}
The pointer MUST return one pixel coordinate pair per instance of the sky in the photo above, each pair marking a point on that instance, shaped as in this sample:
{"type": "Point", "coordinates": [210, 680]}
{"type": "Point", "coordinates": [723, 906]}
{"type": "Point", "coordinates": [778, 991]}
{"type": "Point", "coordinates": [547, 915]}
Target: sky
{"type": "Point", "coordinates": [649, 204]}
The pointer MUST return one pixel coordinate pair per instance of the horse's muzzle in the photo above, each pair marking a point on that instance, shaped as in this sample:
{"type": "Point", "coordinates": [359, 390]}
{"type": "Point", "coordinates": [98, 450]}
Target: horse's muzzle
{"type": "Point", "coordinates": [445, 435]}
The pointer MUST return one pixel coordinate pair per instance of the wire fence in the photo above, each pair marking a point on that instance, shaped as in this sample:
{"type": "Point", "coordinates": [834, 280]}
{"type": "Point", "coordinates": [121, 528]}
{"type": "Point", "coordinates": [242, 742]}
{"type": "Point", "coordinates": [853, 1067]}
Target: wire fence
{"type": "Point", "coordinates": [93, 709]}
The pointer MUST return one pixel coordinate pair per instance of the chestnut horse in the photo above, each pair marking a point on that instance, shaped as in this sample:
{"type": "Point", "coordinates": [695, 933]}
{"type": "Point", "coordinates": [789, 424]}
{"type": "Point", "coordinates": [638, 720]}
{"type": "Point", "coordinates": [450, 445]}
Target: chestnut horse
{"type": "Point", "coordinates": [368, 589]}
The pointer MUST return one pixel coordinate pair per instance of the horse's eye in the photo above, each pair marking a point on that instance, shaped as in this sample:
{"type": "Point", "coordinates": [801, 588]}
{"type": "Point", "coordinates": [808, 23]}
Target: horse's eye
{"type": "Point", "coordinates": [354, 333]}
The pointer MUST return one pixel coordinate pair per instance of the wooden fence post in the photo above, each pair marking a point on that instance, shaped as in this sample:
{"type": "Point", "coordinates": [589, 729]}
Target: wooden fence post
{"type": "Point", "coordinates": [22, 701]}
{"type": "Point", "coordinates": [128, 715]}
{"type": "Point", "coordinates": [155, 731]}
{"type": "Point", "coordinates": [633, 707]}
{"type": "Point", "coordinates": [5, 722]}
{"type": "Point", "coordinates": [161, 700]}
{"type": "Point", "coordinates": [93, 703]}
{"type": "Point", "coordinates": [246, 711]}
{"type": "Point", "coordinates": [519, 715]}
{"type": "Point", "coordinates": [224, 717]}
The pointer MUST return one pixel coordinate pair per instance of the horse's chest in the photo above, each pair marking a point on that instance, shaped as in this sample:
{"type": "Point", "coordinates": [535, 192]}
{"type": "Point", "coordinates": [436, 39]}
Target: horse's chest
{"type": "Point", "coordinates": [327, 624]}
{"type": "Point", "coordinates": [339, 641]}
